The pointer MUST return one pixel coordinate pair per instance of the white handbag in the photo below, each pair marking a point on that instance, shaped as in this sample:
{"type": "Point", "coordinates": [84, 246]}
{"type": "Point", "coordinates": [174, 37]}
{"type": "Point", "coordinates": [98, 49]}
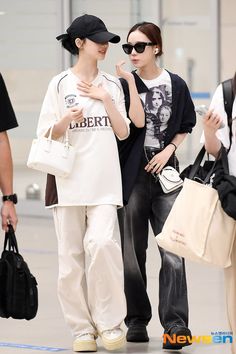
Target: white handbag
{"type": "Point", "coordinates": [169, 179]}
{"type": "Point", "coordinates": [51, 156]}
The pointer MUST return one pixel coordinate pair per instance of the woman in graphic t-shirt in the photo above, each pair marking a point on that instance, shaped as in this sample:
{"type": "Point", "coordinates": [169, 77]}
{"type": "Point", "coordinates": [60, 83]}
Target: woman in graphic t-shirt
{"type": "Point", "coordinates": [90, 104]}
{"type": "Point", "coordinates": [169, 117]}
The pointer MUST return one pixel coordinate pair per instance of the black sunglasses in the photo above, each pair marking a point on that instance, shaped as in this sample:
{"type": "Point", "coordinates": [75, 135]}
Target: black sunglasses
{"type": "Point", "coordinates": [139, 47]}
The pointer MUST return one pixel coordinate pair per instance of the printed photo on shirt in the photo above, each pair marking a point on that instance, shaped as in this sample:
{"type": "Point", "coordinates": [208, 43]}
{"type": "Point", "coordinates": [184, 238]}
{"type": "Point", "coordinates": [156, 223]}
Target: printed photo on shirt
{"type": "Point", "coordinates": [158, 111]}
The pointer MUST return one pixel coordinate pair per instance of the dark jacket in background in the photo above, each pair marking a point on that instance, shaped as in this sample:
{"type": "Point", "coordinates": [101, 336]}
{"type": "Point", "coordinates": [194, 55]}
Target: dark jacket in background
{"type": "Point", "coordinates": [7, 115]}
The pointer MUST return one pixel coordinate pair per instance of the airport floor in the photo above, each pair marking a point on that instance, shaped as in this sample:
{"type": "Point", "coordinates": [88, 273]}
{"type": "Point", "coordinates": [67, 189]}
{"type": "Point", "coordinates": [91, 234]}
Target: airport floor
{"type": "Point", "coordinates": [48, 332]}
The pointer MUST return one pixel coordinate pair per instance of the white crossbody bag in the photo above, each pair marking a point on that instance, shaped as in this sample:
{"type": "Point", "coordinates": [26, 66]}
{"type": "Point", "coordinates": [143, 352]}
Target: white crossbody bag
{"type": "Point", "coordinates": [169, 179]}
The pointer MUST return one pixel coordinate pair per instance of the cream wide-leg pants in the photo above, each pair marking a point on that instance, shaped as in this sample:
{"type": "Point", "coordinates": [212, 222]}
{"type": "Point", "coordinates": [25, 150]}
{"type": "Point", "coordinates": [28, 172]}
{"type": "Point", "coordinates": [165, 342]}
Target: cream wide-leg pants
{"type": "Point", "coordinates": [91, 300]}
{"type": "Point", "coordinates": [230, 285]}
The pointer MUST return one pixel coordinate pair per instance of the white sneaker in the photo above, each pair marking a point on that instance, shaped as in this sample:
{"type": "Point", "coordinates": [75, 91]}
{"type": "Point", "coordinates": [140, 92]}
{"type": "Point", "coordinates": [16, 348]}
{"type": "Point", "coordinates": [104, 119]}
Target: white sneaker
{"type": "Point", "coordinates": [85, 343]}
{"type": "Point", "coordinates": [113, 339]}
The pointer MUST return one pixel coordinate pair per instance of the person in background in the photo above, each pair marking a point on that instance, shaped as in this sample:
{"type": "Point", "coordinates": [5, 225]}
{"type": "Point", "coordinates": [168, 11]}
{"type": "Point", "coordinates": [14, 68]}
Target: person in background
{"type": "Point", "coordinates": [143, 155]}
{"type": "Point", "coordinates": [89, 103]}
{"type": "Point", "coordinates": [214, 137]}
{"type": "Point", "coordinates": [7, 121]}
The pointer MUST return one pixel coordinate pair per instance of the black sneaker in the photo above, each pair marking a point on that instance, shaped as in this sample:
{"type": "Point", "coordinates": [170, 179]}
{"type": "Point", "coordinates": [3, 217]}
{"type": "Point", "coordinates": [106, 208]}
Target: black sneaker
{"type": "Point", "coordinates": [137, 333]}
{"type": "Point", "coordinates": [175, 332]}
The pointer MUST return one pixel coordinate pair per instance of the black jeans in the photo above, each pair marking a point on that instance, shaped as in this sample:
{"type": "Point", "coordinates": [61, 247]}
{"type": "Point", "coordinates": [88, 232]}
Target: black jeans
{"type": "Point", "coordinates": [148, 202]}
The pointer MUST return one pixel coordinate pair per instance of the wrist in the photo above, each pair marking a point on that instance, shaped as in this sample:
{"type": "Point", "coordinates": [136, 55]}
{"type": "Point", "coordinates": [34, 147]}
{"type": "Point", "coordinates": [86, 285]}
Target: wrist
{"type": "Point", "coordinates": [67, 118]}
{"type": "Point", "coordinates": [106, 98]}
{"type": "Point", "coordinates": [130, 79]}
{"type": "Point", "coordinates": [12, 198]}
{"type": "Point", "coordinates": [173, 146]}
{"type": "Point", "coordinates": [209, 131]}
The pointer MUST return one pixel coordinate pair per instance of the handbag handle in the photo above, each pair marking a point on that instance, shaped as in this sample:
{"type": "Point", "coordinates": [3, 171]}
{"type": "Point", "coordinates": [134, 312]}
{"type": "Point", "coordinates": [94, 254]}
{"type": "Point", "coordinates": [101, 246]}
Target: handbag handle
{"type": "Point", "coordinates": [222, 156]}
{"type": "Point", "coordinates": [66, 135]}
{"type": "Point", "coordinates": [10, 240]}
{"type": "Point", "coordinates": [198, 161]}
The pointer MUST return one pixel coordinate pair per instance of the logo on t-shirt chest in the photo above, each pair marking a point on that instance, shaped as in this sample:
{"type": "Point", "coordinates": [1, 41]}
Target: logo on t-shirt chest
{"type": "Point", "coordinates": [71, 100]}
{"type": "Point", "coordinates": [94, 123]}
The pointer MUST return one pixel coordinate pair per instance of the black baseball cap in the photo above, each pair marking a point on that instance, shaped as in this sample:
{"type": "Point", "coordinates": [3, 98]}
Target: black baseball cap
{"type": "Point", "coordinates": [91, 27]}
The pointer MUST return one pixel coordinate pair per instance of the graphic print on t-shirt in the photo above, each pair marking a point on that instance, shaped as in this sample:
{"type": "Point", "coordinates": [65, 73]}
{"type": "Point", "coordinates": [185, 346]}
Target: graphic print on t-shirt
{"type": "Point", "coordinates": [158, 110]}
{"type": "Point", "coordinates": [93, 121]}
{"type": "Point", "coordinates": [71, 101]}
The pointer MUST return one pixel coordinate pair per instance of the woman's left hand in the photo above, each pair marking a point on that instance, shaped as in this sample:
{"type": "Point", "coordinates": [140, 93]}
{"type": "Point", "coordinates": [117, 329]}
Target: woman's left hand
{"type": "Point", "coordinates": [123, 73]}
{"type": "Point", "coordinates": [156, 164]}
{"type": "Point", "coordinates": [92, 91]}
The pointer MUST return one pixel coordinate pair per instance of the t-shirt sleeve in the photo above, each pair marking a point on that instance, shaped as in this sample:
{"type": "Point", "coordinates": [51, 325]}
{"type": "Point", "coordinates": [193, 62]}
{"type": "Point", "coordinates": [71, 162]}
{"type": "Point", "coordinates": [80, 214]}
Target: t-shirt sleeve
{"type": "Point", "coordinates": [50, 110]}
{"type": "Point", "coordinates": [7, 114]}
{"type": "Point", "coordinates": [189, 115]}
{"type": "Point", "coordinates": [120, 105]}
{"type": "Point", "coordinates": [217, 104]}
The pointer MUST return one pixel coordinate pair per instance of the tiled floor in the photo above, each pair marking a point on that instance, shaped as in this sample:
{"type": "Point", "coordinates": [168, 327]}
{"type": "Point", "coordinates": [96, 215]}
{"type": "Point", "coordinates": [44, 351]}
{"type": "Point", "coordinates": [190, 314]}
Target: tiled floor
{"type": "Point", "coordinates": [48, 333]}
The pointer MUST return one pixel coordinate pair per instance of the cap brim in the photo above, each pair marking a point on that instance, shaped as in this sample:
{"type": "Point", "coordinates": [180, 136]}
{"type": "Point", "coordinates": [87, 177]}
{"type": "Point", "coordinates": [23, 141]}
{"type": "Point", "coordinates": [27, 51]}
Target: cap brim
{"type": "Point", "coordinates": [103, 37]}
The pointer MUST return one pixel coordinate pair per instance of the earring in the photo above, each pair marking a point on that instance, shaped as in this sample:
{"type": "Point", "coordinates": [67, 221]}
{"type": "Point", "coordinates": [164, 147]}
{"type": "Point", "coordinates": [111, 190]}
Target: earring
{"type": "Point", "coordinates": [156, 51]}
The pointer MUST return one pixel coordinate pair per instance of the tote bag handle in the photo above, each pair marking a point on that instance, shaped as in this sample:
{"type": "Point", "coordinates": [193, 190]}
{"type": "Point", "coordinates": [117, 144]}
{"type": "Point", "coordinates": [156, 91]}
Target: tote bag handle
{"type": "Point", "coordinates": [10, 240]}
{"type": "Point", "coordinates": [197, 163]}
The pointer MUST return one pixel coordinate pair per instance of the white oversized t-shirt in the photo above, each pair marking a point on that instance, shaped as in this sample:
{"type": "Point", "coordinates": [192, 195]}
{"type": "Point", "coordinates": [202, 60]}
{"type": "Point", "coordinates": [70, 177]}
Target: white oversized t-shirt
{"type": "Point", "coordinates": [217, 104]}
{"type": "Point", "coordinates": [96, 175]}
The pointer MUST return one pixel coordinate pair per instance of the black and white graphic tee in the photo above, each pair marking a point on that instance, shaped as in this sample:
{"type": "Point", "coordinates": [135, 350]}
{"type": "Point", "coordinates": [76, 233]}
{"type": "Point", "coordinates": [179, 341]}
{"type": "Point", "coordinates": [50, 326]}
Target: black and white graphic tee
{"type": "Point", "coordinates": [158, 108]}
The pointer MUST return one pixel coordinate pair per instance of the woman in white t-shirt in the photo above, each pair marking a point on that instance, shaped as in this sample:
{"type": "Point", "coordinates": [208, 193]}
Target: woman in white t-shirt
{"type": "Point", "coordinates": [90, 104]}
{"type": "Point", "coordinates": [214, 137]}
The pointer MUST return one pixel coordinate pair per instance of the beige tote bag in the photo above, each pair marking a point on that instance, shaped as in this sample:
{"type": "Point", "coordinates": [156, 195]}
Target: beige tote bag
{"type": "Point", "coordinates": [197, 228]}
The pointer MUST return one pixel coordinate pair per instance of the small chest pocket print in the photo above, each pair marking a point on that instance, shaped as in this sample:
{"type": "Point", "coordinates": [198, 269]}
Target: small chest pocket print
{"type": "Point", "coordinates": [71, 101]}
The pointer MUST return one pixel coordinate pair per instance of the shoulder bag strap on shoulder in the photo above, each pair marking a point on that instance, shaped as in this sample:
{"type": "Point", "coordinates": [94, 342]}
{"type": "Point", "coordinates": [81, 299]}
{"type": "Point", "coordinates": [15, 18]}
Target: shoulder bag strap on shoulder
{"type": "Point", "coordinates": [228, 96]}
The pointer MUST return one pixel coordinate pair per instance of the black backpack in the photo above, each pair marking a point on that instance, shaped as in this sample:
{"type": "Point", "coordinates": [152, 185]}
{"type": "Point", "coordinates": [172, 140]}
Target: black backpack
{"type": "Point", "coordinates": [18, 287]}
{"type": "Point", "coordinates": [228, 96]}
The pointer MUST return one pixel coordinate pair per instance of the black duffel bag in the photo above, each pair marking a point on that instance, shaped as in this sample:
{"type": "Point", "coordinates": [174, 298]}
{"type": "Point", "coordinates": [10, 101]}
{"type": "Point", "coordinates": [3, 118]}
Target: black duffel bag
{"type": "Point", "coordinates": [18, 287]}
